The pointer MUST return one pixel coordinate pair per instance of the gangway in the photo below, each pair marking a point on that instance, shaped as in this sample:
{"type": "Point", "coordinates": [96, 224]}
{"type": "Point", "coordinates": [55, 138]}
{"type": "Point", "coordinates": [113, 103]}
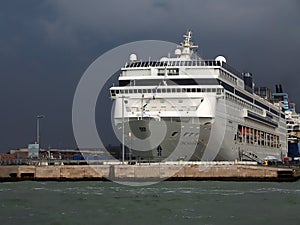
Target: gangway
{"type": "Point", "coordinates": [253, 157]}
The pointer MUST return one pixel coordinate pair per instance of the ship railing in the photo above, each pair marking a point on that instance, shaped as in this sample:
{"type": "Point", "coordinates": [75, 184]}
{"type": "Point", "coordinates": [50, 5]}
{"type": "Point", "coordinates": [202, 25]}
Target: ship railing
{"type": "Point", "coordinates": [174, 63]}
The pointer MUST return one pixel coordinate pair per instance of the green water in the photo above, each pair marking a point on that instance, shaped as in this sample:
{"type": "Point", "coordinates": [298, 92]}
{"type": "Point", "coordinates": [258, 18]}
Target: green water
{"type": "Point", "coordinates": [190, 202]}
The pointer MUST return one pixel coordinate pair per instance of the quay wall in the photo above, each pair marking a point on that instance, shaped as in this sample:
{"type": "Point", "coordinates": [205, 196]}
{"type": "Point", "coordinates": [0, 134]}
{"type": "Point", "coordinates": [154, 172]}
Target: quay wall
{"type": "Point", "coordinates": [144, 172]}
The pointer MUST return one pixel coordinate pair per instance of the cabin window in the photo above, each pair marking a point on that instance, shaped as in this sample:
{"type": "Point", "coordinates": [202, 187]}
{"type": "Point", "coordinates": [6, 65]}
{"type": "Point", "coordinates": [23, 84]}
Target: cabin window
{"type": "Point", "coordinates": [161, 72]}
{"type": "Point", "coordinates": [173, 71]}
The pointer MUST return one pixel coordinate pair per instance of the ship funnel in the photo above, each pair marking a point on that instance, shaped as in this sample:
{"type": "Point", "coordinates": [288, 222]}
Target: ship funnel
{"type": "Point", "coordinates": [278, 88]}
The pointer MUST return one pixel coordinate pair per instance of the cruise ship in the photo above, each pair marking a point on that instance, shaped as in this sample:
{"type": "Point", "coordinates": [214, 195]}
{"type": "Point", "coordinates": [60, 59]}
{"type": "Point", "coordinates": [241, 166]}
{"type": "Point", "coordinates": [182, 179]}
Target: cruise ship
{"type": "Point", "coordinates": [292, 121]}
{"type": "Point", "coordinates": [184, 108]}
{"type": "Point", "coordinates": [293, 130]}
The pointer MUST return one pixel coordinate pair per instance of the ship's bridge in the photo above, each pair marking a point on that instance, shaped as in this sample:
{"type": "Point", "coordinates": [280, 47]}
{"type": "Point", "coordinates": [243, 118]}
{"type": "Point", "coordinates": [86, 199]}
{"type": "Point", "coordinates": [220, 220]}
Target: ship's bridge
{"type": "Point", "coordinates": [184, 68]}
{"type": "Point", "coordinates": [172, 66]}
{"type": "Point", "coordinates": [179, 72]}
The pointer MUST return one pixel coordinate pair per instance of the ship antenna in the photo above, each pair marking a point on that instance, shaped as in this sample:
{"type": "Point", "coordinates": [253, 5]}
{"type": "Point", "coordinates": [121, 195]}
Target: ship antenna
{"type": "Point", "coordinates": [187, 45]}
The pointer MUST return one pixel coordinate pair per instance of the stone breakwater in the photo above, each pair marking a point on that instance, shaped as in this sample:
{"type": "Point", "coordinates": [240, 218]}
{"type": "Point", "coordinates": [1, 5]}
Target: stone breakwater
{"type": "Point", "coordinates": [148, 172]}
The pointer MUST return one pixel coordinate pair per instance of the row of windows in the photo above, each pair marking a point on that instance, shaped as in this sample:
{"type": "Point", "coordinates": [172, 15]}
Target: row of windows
{"type": "Point", "coordinates": [181, 107]}
{"type": "Point", "coordinates": [243, 103]}
{"type": "Point", "coordinates": [170, 72]}
{"type": "Point", "coordinates": [262, 119]}
{"type": "Point", "coordinates": [166, 90]}
{"type": "Point", "coordinates": [146, 64]}
{"type": "Point", "coordinates": [174, 63]}
{"type": "Point", "coordinates": [184, 63]}
{"type": "Point", "coordinates": [257, 137]}
{"type": "Point", "coordinates": [169, 82]}
{"type": "Point", "coordinates": [248, 98]}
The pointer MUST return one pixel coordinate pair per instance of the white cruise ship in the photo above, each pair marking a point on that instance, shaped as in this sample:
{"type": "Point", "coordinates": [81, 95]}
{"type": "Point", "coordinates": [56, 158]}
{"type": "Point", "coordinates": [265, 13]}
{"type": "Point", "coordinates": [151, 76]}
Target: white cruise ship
{"type": "Point", "coordinates": [187, 108]}
{"type": "Point", "coordinates": [293, 130]}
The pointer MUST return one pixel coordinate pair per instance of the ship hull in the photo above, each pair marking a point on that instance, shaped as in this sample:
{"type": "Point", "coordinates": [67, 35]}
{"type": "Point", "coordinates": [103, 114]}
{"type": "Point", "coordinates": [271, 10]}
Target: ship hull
{"type": "Point", "coordinates": [196, 138]}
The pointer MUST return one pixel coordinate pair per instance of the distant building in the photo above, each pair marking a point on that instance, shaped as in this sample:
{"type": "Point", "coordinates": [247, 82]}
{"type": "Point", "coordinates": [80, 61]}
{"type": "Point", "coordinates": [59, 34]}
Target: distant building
{"type": "Point", "coordinates": [33, 150]}
{"type": "Point", "coordinates": [23, 155]}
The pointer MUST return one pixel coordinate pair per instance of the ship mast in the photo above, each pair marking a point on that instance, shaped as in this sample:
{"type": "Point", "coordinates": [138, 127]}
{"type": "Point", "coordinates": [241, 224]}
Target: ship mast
{"type": "Point", "coordinates": [187, 46]}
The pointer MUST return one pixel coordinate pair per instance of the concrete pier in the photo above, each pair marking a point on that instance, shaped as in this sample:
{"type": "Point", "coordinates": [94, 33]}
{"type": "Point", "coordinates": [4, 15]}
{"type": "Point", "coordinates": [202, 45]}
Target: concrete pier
{"type": "Point", "coordinates": [148, 172]}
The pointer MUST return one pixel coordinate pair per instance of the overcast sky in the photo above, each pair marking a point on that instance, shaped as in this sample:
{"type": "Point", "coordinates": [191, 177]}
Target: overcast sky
{"type": "Point", "coordinates": [45, 47]}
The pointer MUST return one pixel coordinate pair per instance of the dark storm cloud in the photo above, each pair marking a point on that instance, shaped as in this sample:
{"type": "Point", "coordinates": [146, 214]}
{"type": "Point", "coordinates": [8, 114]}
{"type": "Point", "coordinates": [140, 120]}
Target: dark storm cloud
{"type": "Point", "coordinates": [45, 46]}
{"type": "Point", "coordinates": [260, 36]}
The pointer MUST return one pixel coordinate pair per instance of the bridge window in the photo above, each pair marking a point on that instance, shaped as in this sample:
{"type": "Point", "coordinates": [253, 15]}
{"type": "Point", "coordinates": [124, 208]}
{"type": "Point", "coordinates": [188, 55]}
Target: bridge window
{"type": "Point", "coordinates": [173, 71]}
{"type": "Point", "coordinates": [161, 72]}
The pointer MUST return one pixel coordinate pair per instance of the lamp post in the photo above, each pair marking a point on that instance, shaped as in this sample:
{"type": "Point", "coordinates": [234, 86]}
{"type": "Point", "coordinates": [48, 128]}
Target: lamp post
{"type": "Point", "coordinates": [38, 117]}
{"type": "Point", "coordinates": [129, 134]}
{"type": "Point", "coordinates": [123, 147]}
{"type": "Point", "coordinates": [123, 129]}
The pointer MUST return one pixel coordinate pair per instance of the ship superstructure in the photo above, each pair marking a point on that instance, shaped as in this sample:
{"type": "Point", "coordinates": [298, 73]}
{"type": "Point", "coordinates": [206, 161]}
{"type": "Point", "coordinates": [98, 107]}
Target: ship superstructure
{"type": "Point", "coordinates": [187, 108]}
{"type": "Point", "coordinates": [293, 129]}
{"type": "Point", "coordinates": [292, 121]}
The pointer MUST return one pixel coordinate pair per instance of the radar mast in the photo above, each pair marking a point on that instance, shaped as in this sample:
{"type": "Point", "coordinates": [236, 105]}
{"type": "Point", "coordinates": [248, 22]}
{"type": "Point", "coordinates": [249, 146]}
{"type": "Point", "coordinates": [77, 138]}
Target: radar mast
{"type": "Point", "coordinates": [187, 46]}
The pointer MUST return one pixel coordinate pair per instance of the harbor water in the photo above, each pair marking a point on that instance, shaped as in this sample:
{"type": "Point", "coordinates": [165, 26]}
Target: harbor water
{"type": "Point", "coordinates": [183, 202]}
